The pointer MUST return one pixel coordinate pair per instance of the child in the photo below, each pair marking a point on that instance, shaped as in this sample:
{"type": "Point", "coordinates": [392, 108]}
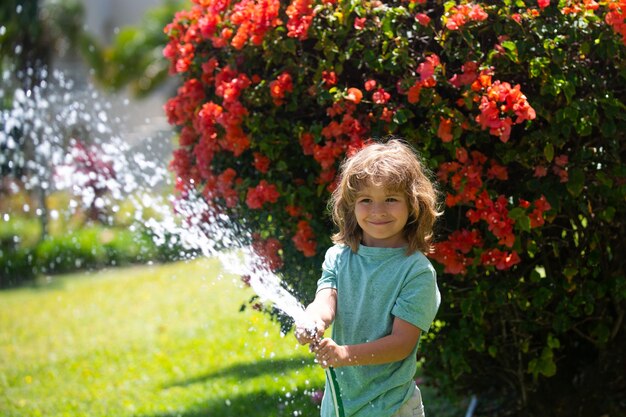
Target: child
{"type": "Point", "coordinates": [377, 288]}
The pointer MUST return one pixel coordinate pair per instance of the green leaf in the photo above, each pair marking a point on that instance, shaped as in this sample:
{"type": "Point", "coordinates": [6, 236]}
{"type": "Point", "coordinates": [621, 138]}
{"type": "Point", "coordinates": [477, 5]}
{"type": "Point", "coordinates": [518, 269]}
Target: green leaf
{"type": "Point", "coordinates": [604, 179]}
{"type": "Point", "coordinates": [548, 152]}
{"type": "Point", "coordinates": [521, 219]}
{"type": "Point", "coordinates": [571, 113]}
{"type": "Point", "coordinates": [576, 182]}
{"type": "Point", "coordinates": [289, 45]}
{"type": "Point", "coordinates": [511, 50]}
{"type": "Point", "coordinates": [448, 5]}
{"type": "Point", "coordinates": [402, 116]}
{"type": "Point", "coordinates": [386, 26]}
{"type": "Point", "coordinates": [553, 342]}
{"type": "Point", "coordinates": [543, 365]}
{"type": "Point", "coordinates": [601, 333]}
{"type": "Point", "coordinates": [570, 272]}
{"type": "Point", "coordinates": [517, 213]}
{"type": "Point", "coordinates": [608, 214]}
{"type": "Point", "coordinates": [537, 65]}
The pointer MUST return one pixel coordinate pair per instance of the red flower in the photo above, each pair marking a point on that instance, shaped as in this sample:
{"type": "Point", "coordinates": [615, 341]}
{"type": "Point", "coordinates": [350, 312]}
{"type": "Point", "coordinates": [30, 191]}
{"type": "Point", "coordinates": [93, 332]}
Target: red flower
{"type": "Point", "coordinates": [543, 3]}
{"type": "Point", "coordinates": [497, 171]}
{"type": "Point", "coordinates": [380, 96]}
{"type": "Point", "coordinates": [283, 84]}
{"type": "Point", "coordinates": [261, 162]}
{"type": "Point", "coordinates": [301, 15]}
{"type": "Point", "coordinates": [225, 189]}
{"type": "Point", "coordinates": [453, 261]}
{"type": "Point", "coordinates": [327, 154]}
{"type": "Point", "coordinates": [413, 94]}
{"type": "Point", "coordinates": [307, 141]}
{"type": "Point", "coordinates": [540, 171]}
{"type": "Point", "coordinates": [501, 260]}
{"type": "Point", "coordinates": [496, 106]}
{"type": "Point", "coordinates": [253, 19]}
{"type": "Point", "coordinates": [561, 161]}
{"type": "Point", "coordinates": [422, 19]}
{"type": "Point", "coordinates": [536, 216]}
{"type": "Point", "coordinates": [616, 17]}
{"type": "Point", "coordinates": [304, 239]}
{"type": "Point", "coordinates": [293, 211]}
{"type": "Point", "coordinates": [269, 251]}
{"type": "Point", "coordinates": [359, 23]}
{"type": "Point", "coordinates": [229, 84]}
{"type": "Point", "coordinates": [444, 132]}
{"type": "Point", "coordinates": [181, 163]}
{"type": "Point", "coordinates": [180, 109]}
{"type": "Point", "coordinates": [261, 194]}
{"type": "Point", "coordinates": [464, 240]}
{"type": "Point", "coordinates": [460, 15]}
{"type": "Point", "coordinates": [370, 85]}
{"type": "Point", "coordinates": [329, 78]}
{"type": "Point", "coordinates": [427, 68]}
{"type": "Point", "coordinates": [468, 76]}
{"type": "Point", "coordinates": [387, 114]}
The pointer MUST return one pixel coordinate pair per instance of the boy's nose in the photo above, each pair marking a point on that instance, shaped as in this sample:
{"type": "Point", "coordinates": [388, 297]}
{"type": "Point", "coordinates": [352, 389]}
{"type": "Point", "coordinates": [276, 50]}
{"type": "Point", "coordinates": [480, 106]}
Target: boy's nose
{"type": "Point", "coordinates": [379, 208]}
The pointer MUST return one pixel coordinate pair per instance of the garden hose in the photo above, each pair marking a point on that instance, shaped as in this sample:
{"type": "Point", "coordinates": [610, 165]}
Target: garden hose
{"type": "Point", "coordinates": [334, 391]}
{"type": "Point", "coordinates": [331, 376]}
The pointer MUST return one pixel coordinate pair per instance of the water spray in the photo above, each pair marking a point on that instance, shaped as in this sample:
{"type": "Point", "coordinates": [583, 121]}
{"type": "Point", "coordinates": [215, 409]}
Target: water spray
{"type": "Point", "coordinates": [44, 118]}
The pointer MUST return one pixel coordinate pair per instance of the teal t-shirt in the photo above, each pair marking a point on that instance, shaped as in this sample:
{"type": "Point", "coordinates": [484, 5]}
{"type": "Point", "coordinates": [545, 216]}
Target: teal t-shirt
{"type": "Point", "coordinates": [374, 286]}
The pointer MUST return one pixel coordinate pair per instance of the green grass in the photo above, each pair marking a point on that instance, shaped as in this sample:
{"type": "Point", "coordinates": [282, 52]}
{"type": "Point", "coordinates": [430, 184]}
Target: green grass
{"type": "Point", "coordinates": [150, 342]}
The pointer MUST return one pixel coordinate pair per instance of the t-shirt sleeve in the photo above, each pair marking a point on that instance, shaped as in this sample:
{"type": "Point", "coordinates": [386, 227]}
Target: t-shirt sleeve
{"type": "Point", "coordinates": [419, 299]}
{"type": "Point", "coordinates": [329, 270]}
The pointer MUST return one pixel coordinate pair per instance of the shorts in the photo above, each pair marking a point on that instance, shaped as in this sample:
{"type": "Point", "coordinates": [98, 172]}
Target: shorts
{"type": "Point", "coordinates": [413, 407]}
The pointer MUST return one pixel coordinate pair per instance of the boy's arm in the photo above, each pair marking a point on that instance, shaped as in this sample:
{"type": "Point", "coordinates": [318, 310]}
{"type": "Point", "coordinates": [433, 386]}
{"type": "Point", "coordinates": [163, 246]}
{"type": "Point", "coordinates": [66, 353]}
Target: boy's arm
{"type": "Point", "coordinates": [321, 312]}
{"type": "Point", "coordinates": [392, 348]}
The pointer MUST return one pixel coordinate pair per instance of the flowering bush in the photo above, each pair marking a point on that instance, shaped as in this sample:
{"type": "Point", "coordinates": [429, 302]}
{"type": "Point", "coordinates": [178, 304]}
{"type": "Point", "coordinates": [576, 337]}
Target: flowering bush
{"type": "Point", "coordinates": [516, 106]}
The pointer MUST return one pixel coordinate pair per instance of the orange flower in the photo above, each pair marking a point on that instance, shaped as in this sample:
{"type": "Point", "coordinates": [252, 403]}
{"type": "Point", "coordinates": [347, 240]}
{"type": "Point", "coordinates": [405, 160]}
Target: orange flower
{"type": "Point", "coordinates": [414, 93]}
{"type": "Point", "coordinates": [445, 130]}
{"type": "Point", "coordinates": [281, 85]}
{"type": "Point", "coordinates": [355, 95]}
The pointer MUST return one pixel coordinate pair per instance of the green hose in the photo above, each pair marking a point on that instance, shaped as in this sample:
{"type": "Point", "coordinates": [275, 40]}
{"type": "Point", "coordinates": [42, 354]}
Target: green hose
{"type": "Point", "coordinates": [334, 392]}
{"type": "Point", "coordinates": [332, 378]}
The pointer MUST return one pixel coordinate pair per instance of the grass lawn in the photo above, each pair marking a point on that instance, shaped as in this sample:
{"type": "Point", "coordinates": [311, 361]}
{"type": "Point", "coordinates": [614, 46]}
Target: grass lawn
{"type": "Point", "coordinates": [151, 341]}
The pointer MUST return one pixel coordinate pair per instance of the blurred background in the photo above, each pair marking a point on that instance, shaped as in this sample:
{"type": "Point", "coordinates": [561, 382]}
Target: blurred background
{"type": "Point", "coordinates": [84, 136]}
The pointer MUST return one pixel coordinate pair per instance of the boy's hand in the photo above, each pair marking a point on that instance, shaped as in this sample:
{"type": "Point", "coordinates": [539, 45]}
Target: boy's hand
{"type": "Point", "coordinates": [310, 335]}
{"type": "Point", "coordinates": [329, 353]}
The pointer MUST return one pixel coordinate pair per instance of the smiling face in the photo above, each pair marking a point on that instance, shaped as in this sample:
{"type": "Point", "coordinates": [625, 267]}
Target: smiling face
{"type": "Point", "coordinates": [382, 215]}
